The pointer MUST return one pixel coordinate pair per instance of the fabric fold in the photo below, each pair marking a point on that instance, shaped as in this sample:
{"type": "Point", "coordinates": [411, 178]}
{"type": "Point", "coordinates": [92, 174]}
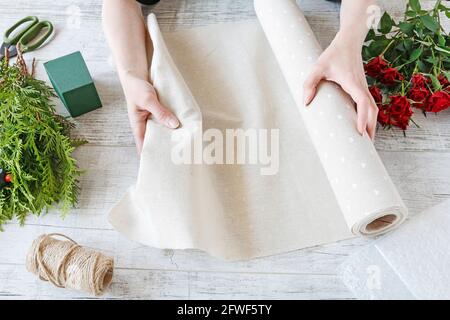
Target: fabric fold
{"type": "Point", "coordinates": [312, 179]}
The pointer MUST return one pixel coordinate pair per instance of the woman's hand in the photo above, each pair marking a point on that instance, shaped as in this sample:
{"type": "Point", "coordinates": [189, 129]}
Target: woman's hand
{"type": "Point", "coordinates": [125, 28]}
{"type": "Point", "coordinates": [342, 63]}
{"type": "Point", "coordinates": [142, 102]}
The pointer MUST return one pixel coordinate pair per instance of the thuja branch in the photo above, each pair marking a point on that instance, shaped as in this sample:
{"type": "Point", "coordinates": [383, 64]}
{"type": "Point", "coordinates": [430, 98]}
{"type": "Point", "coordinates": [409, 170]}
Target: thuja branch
{"type": "Point", "coordinates": [35, 147]}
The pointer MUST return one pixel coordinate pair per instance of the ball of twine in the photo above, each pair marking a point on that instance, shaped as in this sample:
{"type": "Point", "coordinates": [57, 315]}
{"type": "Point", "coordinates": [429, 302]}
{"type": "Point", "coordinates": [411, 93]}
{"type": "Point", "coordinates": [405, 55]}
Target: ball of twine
{"type": "Point", "coordinates": [66, 264]}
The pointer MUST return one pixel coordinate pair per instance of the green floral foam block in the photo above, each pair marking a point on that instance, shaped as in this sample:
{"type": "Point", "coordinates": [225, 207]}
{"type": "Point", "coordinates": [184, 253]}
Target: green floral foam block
{"type": "Point", "coordinates": [72, 82]}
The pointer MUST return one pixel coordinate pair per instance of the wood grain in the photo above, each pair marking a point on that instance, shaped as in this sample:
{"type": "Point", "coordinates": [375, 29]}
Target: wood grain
{"type": "Point", "coordinates": [418, 164]}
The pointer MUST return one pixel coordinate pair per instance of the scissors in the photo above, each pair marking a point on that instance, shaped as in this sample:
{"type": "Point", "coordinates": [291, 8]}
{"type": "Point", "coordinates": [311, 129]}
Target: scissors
{"type": "Point", "coordinates": [27, 39]}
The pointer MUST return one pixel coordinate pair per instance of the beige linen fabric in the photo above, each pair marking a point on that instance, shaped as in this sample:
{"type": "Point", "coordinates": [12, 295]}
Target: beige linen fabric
{"type": "Point", "coordinates": [330, 184]}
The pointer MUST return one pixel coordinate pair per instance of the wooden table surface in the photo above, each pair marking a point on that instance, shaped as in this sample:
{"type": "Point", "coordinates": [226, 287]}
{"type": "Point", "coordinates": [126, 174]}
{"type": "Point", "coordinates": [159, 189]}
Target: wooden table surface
{"type": "Point", "coordinates": [418, 164]}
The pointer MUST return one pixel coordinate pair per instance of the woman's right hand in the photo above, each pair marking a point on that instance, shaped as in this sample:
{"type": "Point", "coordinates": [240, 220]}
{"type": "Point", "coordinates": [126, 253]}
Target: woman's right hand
{"type": "Point", "coordinates": [142, 102]}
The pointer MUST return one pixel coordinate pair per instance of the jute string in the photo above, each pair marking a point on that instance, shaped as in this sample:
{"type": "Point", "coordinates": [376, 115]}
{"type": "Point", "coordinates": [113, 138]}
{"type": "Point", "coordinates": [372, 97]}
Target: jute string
{"type": "Point", "coordinates": [66, 264]}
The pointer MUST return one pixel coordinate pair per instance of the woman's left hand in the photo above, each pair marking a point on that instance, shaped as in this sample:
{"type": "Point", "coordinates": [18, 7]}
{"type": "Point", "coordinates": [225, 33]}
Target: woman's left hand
{"type": "Point", "coordinates": [342, 63]}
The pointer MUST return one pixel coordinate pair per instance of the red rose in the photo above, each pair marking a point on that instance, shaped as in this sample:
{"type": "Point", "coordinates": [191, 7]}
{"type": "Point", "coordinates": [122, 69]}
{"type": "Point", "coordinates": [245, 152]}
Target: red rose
{"type": "Point", "coordinates": [419, 96]}
{"type": "Point", "coordinates": [403, 122]}
{"type": "Point", "coordinates": [419, 80]}
{"type": "Point", "coordinates": [443, 81]}
{"type": "Point", "coordinates": [383, 116]}
{"type": "Point", "coordinates": [400, 111]}
{"type": "Point", "coordinates": [399, 105]}
{"type": "Point", "coordinates": [390, 75]}
{"type": "Point", "coordinates": [438, 101]}
{"type": "Point", "coordinates": [375, 66]}
{"type": "Point", "coordinates": [376, 94]}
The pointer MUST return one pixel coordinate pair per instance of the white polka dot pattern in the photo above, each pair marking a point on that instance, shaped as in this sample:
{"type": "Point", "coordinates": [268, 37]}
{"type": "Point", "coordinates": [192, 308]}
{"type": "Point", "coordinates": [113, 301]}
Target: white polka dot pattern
{"type": "Point", "coordinates": [350, 161]}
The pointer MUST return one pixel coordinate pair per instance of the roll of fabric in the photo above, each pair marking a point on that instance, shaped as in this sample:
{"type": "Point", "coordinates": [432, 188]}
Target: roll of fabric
{"type": "Point", "coordinates": [324, 182]}
{"type": "Point", "coordinates": [367, 197]}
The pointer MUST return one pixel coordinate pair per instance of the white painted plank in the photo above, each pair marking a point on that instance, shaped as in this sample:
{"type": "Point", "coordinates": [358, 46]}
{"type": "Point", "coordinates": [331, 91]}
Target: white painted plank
{"type": "Point", "coordinates": [320, 260]}
{"type": "Point", "coordinates": [16, 283]}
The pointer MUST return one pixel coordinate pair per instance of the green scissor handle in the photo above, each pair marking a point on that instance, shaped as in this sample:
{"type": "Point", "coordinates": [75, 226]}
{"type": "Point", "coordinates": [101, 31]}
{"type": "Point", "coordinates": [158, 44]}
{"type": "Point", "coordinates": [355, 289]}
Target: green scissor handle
{"type": "Point", "coordinates": [15, 39]}
{"type": "Point", "coordinates": [29, 41]}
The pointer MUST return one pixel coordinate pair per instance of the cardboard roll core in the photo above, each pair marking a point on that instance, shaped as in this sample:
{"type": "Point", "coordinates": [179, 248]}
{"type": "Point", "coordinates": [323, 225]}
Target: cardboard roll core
{"type": "Point", "coordinates": [381, 223]}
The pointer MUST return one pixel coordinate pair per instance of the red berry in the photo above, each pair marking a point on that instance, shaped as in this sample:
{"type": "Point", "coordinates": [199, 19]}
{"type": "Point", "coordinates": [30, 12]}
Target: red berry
{"type": "Point", "coordinates": [7, 178]}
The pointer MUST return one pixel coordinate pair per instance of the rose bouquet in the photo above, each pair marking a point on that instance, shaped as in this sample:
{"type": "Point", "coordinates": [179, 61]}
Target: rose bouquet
{"type": "Point", "coordinates": [407, 62]}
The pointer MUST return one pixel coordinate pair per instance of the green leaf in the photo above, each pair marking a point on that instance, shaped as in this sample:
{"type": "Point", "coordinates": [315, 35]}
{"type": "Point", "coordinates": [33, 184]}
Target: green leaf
{"type": "Point", "coordinates": [386, 23]}
{"type": "Point", "coordinates": [435, 82]}
{"type": "Point", "coordinates": [376, 47]}
{"type": "Point", "coordinates": [400, 47]}
{"type": "Point", "coordinates": [422, 66]}
{"type": "Point", "coordinates": [408, 44]}
{"type": "Point", "coordinates": [371, 81]}
{"type": "Point", "coordinates": [406, 27]}
{"type": "Point", "coordinates": [415, 54]}
{"type": "Point", "coordinates": [441, 40]}
{"type": "Point", "coordinates": [442, 8]}
{"type": "Point", "coordinates": [431, 59]}
{"type": "Point", "coordinates": [447, 13]}
{"type": "Point", "coordinates": [430, 23]}
{"type": "Point", "coordinates": [366, 53]}
{"type": "Point", "coordinates": [415, 5]}
{"type": "Point", "coordinates": [370, 35]}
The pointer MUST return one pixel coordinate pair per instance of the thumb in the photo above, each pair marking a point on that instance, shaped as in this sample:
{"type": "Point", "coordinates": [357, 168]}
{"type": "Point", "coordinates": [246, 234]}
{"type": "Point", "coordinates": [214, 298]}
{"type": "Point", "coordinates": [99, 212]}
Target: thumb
{"type": "Point", "coordinates": [310, 85]}
{"type": "Point", "coordinates": [138, 122]}
{"type": "Point", "coordinates": [163, 115]}
{"type": "Point", "coordinates": [139, 133]}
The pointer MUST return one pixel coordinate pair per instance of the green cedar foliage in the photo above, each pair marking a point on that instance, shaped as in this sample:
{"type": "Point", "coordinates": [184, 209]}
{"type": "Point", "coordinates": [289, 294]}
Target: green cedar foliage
{"type": "Point", "coordinates": [35, 147]}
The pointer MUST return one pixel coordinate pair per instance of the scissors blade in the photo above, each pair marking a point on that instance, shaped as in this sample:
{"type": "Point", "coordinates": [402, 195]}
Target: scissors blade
{"type": "Point", "coordinates": [4, 47]}
{"type": "Point", "coordinates": [12, 52]}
